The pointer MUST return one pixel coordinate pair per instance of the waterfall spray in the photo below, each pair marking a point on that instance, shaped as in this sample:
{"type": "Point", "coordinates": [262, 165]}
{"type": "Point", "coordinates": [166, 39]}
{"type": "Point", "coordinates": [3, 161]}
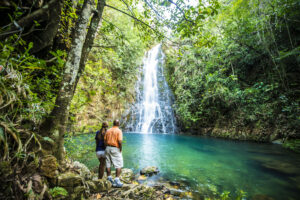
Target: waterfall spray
{"type": "Point", "coordinates": [152, 112]}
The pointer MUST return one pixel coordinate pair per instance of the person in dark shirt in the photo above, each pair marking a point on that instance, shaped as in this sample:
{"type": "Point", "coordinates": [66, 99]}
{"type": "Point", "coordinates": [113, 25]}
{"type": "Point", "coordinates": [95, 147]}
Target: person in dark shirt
{"type": "Point", "coordinates": [100, 148]}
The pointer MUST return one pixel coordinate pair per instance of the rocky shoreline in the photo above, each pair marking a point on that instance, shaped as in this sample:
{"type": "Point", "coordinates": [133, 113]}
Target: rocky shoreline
{"type": "Point", "coordinates": [73, 180]}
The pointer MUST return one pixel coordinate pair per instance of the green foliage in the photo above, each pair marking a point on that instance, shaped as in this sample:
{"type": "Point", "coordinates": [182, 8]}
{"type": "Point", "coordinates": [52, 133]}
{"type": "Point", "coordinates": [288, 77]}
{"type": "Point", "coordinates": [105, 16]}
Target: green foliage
{"type": "Point", "coordinates": [292, 144]}
{"type": "Point", "coordinates": [77, 148]}
{"type": "Point", "coordinates": [58, 192]}
{"type": "Point", "coordinates": [67, 23]}
{"type": "Point", "coordinates": [238, 70]}
{"type": "Point", "coordinates": [29, 84]}
{"type": "Point", "coordinates": [225, 195]}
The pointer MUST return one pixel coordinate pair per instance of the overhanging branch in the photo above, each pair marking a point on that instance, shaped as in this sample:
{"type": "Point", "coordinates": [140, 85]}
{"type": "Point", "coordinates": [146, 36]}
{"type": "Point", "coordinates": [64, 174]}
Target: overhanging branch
{"type": "Point", "coordinates": [138, 20]}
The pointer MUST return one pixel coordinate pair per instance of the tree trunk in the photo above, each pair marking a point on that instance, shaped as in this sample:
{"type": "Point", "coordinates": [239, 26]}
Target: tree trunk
{"type": "Point", "coordinates": [55, 125]}
{"type": "Point", "coordinates": [90, 39]}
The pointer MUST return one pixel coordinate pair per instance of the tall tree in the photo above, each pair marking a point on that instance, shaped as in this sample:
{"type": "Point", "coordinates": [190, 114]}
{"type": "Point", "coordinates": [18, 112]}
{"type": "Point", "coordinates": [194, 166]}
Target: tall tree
{"type": "Point", "coordinates": [55, 125]}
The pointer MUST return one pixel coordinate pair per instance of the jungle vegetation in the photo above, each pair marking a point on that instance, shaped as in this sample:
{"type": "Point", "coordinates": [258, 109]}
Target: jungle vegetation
{"type": "Point", "coordinates": [236, 73]}
{"type": "Point", "coordinates": [67, 65]}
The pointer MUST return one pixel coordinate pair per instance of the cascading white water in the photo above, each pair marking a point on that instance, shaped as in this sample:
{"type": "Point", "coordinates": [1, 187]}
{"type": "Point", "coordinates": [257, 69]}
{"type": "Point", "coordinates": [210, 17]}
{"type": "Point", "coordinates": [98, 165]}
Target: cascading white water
{"type": "Point", "coordinates": [152, 112]}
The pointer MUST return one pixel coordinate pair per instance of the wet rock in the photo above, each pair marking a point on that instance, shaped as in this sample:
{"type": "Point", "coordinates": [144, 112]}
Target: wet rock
{"type": "Point", "coordinates": [69, 179]}
{"type": "Point", "coordinates": [49, 166]}
{"type": "Point", "coordinates": [149, 171]}
{"type": "Point", "coordinates": [176, 192]}
{"type": "Point", "coordinates": [278, 141]}
{"type": "Point", "coordinates": [173, 183]}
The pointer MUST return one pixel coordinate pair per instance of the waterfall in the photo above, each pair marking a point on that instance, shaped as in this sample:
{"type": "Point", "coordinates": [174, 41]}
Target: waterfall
{"type": "Point", "coordinates": [152, 112]}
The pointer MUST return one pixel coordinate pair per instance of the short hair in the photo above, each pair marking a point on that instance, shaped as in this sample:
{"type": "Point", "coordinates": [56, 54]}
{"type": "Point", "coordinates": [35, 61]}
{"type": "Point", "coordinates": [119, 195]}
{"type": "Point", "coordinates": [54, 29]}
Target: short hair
{"type": "Point", "coordinates": [104, 125]}
{"type": "Point", "coordinates": [116, 123]}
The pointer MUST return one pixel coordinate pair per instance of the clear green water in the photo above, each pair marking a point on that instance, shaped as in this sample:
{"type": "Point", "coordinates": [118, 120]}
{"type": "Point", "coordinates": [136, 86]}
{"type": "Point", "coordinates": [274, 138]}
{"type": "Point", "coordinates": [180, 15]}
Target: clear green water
{"type": "Point", "coordinates": [210, 165]}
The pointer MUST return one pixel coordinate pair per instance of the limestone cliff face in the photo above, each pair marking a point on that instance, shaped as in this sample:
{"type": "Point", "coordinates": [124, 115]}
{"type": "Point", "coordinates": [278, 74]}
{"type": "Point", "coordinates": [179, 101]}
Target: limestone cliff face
{"type": "Point", "coordinates": [99, 98]}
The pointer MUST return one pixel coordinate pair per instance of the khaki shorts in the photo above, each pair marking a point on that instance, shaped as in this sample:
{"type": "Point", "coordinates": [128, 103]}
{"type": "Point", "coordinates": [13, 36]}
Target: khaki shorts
{"type": "Point", "coordinates": [113, 157]}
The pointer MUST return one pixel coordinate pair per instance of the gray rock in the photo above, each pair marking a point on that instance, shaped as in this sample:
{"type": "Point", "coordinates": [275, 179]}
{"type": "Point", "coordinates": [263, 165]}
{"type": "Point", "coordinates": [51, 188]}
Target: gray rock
{"type": "Point", "coordinates": [149, 171]}
{"type": "Point", "coordinates": [278, 141]}
{"type": "Point", "coordinates": [176, 192]}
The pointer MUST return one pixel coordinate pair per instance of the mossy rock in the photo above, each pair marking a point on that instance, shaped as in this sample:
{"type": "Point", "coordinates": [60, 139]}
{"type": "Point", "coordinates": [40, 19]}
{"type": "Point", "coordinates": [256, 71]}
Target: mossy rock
{"type": "Point", "coordinates": [69, 179]}
{"type": "Point", "coordinates": [92, 186]}
{"type": "Point", "coordinates": [101, 185]}
{"type": "Point", "coordinates": [149, 171]}
{"type": "Point", "coordinates": [49, 166]}
{"type": "Point", "coordinates": [78, 192]}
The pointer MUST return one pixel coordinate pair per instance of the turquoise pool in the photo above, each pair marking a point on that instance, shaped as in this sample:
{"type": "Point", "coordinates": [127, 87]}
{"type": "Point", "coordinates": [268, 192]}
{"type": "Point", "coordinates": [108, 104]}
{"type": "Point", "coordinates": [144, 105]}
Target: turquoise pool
{"type": "Point", "coordinates": [212, 166]}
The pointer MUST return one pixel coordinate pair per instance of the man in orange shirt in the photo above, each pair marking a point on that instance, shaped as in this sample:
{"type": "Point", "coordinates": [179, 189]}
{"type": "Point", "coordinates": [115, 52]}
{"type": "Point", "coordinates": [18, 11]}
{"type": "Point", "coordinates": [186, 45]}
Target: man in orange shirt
{"type": "Point", "coordinates": [113, 141]}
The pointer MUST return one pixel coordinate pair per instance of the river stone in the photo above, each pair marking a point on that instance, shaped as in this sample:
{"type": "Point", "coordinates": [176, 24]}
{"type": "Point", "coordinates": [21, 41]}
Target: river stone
{"type": "Point", "coordinates": [149, 171]}
{"type": "Point", "coordinates": [69, 179]}
{"type": "Point", "coordinates": [49, 166]}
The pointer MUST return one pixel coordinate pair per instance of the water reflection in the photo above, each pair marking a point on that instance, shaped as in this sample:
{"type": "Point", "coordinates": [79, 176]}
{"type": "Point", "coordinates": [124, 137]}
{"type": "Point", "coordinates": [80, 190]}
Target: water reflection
{"type": "Point", "coordinates": [149, 155]}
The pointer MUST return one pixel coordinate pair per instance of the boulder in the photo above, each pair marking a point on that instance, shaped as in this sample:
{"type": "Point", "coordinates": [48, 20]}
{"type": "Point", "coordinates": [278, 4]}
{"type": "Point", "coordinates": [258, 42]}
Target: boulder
{"type": "Point", "coordinates": [92, 186]}
{"type": "Point", "coordinates": [78, 192]}
{"type": "Point", "coordinates": [127, 175]}
{"type": "Point", "coordinates": [149, 171]}
{"type": "Point", "coordinates": [101, 185]}
{"type": "Point", "coordinates": [69, 179]}
{"type": "Point", "coordinates": [82, 170]}
{"type": "Point", "coordinates": [49, 166]}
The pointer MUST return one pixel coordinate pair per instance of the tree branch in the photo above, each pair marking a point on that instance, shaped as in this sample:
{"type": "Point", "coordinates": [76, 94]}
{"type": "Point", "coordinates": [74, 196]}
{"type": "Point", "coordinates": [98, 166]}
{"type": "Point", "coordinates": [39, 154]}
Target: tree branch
{"type": "Point", "coordinates": [138, 20]}
{"type": "Point", "coordinates": [29, 19]}
{"type": "Point", "coordinates": [128, 8]}
{"type": "Point", "coordinates": [100, 46]}
{"type": "Point", "coordinates": [183, 13]}
{"type": "Point", "coordinates": [115, 26]}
